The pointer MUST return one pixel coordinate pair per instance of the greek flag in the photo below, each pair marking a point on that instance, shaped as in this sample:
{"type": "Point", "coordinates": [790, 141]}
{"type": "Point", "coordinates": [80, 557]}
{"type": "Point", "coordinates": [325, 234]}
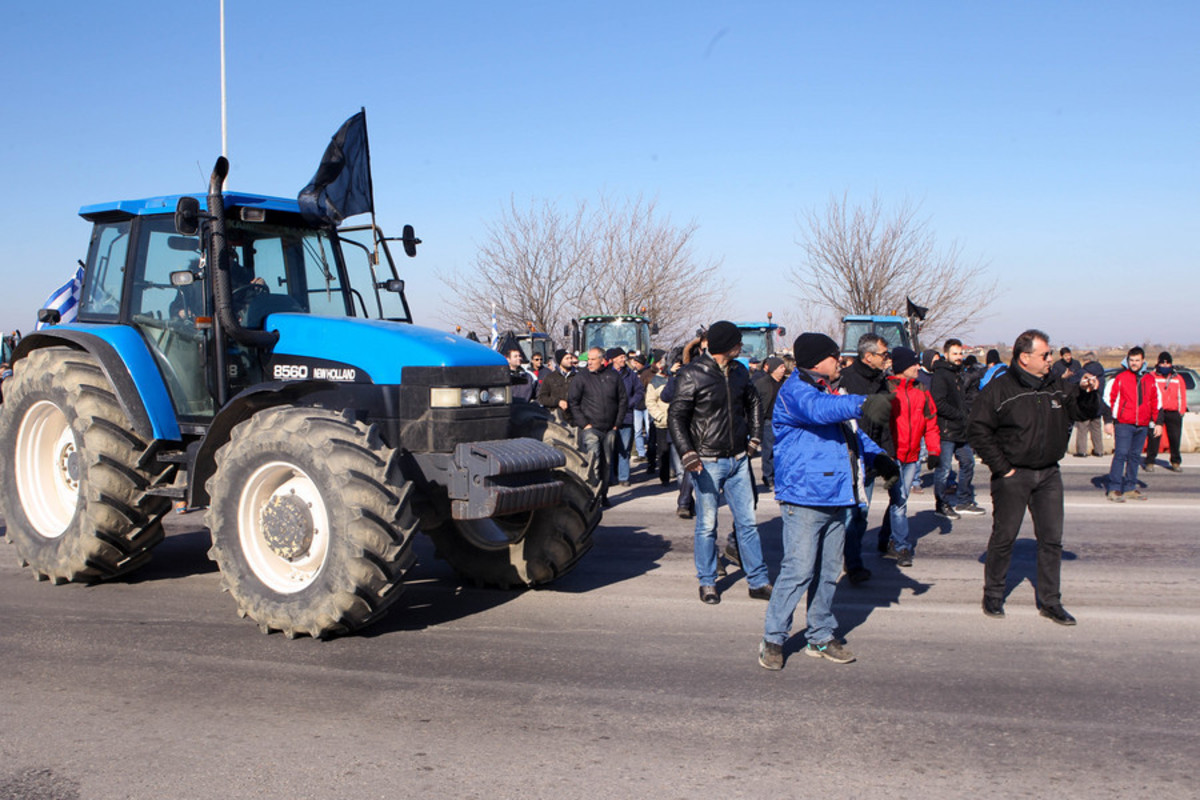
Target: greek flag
{"type": "Point", "coordinates": [495, 340]}
{"type": "Point", "coordinates": [65, 299]}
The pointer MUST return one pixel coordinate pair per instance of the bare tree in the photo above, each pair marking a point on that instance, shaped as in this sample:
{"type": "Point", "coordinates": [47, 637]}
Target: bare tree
{"type": "Point", "coordinates": [543, 265]}
{"type": "Point", "coordinates": [859, 260]}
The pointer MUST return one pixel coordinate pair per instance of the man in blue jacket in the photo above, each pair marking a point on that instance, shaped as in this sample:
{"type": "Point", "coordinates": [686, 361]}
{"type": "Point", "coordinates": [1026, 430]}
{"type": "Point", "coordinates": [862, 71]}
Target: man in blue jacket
{"type": "Point", "coordinates": [820, 459]}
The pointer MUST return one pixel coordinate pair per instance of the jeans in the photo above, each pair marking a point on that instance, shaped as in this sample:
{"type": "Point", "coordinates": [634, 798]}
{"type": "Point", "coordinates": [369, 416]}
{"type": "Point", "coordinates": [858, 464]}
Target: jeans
{"type": "Point", "coordinates": [733, 476]}
{"type": "Point", "coordinates": [1041, 491]}
{"type": "Point", "coordinates": [1094, 427]}
{"type": "Point", "coordinates": [856, 527]}
{"type": "Point", "coordinates": [1127, 454]}
{"type": "Point", "coordinates": [599, 446]}
{"type": "Point", "coordinates": [966, 473]}
{"type": "Point", "coordinates": [897, 510]}
{"type": "Point", "coordinates": [621, 464]}
{"type": "Point", "coordinates": [1172, 423]}
{"type": "Point", "coordinates": [812, 555]}
{"type": "Point", "coordinates": [768, 453]}
{"type": "Point", "coordinates": [641, 430]}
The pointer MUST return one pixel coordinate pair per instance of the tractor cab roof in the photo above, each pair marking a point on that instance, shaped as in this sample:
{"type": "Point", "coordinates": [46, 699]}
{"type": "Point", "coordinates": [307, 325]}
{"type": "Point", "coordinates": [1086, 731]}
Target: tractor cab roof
{"type": "Point", "coordinates": [125, 209]}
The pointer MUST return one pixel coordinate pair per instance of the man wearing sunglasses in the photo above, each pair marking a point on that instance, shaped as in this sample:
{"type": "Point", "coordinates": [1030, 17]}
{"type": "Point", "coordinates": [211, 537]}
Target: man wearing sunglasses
{"type": "Point", "coordinates": [1020, 425]}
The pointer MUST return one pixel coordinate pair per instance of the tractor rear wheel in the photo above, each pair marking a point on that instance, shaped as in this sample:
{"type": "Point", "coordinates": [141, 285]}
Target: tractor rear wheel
{"type": "Point", "coordinates": [73, 497]}
{"type": "Point", "coordinates": [532, 547]}
{"type": "Point", "coordinates": [309, 527]}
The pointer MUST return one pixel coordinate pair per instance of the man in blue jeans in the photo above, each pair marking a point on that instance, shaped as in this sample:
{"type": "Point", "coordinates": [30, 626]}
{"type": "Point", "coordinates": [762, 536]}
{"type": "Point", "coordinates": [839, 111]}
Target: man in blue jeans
{"type": "Point", "coordinates": [820, 459]}
{"type": "Point", "coordinates": [715, 420]}
{"type": "Point", "coordinates": [949, 395]}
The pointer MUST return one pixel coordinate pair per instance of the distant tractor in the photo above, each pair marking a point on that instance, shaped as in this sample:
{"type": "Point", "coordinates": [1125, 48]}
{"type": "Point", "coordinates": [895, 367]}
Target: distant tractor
{"type": "Point", "coordinates": [758, 339]}
{"type": "Point", "coordinates": [235, 356]}
{"type": "Point", "coordinates": [898, 331]}
{"type": "Point", "coordinates": [626, 331]}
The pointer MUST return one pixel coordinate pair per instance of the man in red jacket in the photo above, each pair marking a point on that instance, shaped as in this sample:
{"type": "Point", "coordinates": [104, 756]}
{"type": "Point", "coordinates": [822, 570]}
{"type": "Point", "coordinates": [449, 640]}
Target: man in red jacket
{"type": "Point", "coordinates": [1132, 399]}
{"type": "Point", "coordinates": [1172, 396]}
{"type": "Point", "coordinates": [914, 417]}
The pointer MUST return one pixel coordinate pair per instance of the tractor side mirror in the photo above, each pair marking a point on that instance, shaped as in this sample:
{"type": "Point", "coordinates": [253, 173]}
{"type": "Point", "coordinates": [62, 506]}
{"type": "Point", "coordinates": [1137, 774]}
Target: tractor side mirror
{"type": "Point", "coordinates": [393, 285]}
{"type": "Point", "coordinates": [187, 216]}
{"type": "Point", "coordinates": [182, 277]}
{"type": "Point", "coordinates": [782, 331]}
{"type": "Point", "coordinates": [410, 241]}
{"type": "Point", "coordinates": [49, 316]}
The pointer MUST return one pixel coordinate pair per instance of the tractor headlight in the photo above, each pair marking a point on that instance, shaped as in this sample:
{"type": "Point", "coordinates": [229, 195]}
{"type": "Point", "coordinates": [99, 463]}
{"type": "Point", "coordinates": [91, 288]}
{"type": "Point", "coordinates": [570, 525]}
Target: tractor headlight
{"type": "Point", "coordinates": [445, 397]}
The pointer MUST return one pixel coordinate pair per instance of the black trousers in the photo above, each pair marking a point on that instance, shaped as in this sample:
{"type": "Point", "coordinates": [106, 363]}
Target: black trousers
{"type": "Point", "coordinates": [1041, 491]}
{"type": "Point", "coordinates": [1172, 422]}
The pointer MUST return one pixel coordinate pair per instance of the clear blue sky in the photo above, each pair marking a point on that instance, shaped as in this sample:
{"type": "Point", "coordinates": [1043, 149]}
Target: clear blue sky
{"type": "Point", "coordinates": [1058, 142]}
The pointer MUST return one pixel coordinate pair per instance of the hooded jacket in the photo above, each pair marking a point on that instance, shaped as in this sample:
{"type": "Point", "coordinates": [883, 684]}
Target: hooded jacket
{"type": "Point", "coordinates": [713, 411]}
{"type": "Point", "coordinates": [949, 396]}
{"type": "Point", "coordinates": [914, 417]}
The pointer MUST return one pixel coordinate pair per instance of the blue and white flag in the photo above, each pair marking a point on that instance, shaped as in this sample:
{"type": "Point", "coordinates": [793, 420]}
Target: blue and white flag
{"type": "Point", "coordinates": [495, 330]}
{"type": "Point", "coordinates": [65, 299]}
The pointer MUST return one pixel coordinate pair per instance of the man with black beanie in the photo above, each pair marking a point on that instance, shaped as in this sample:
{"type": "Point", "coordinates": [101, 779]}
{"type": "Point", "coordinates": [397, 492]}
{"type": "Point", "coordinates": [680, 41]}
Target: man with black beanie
{"type": "Point", "coordinates": [820, 458]}
{"type": "Point", "coordinates": [715, 420]}
{"type": "Point", "coordinates": [552, 393]}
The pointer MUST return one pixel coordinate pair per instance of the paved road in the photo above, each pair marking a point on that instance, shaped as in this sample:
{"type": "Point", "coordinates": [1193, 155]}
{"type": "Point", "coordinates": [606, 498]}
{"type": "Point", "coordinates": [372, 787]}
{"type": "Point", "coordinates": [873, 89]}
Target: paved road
{"type": "Point", "coordinates": [619, 683]}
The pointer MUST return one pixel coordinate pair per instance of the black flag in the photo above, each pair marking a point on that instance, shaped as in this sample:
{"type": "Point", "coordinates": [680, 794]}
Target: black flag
{"type": "Point", "coordinates": [915, 310]}
{"type": "Point", "coordinates": [342, 186]}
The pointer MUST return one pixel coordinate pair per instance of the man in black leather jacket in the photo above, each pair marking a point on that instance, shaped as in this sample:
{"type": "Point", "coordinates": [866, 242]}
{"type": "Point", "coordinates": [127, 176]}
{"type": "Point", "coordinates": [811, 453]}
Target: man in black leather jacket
{"type": "Point", "coordinates": [715, 421]}
{"type": "Point", "coordinates": [597, 402]}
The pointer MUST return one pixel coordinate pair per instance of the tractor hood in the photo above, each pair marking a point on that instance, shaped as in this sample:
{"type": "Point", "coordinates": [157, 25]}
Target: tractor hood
{"type": "Point", "coordinates": [381, 349]}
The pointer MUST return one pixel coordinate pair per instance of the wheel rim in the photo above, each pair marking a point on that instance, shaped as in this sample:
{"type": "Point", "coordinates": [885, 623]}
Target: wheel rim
{"type": "Point", "coordinates": [495, 533]}
{"type": "Point", "coordinates": [47, 469]}
{"type": "Point", "coordinates": [283, 527]}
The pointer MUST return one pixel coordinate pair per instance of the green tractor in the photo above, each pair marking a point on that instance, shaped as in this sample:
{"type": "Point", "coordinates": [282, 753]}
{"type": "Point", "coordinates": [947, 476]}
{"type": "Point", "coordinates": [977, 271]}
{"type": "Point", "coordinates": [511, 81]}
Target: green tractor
{"type": "Point", "coordinates": [234, 355]}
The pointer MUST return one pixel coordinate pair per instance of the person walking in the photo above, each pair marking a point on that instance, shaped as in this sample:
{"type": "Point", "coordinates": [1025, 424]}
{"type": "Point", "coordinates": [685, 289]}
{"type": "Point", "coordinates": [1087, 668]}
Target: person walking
{"type": "Point", "coordinates": [1172, 394]}
{"type": "Point", "coordinates": [715, 419]}
{"type": "Point", "coordinates": [1020, 426]}
{"type": "Point", "coordinates": [1132, 399]}
{"type": "Point", "coordinates": [950, 398]}
{"type": "Point", "coordinates": [821, 456]}
{"type": "Point", "coordinates": [597, 401]}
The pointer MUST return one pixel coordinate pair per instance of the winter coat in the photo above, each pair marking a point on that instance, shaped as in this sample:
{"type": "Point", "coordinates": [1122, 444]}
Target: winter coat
{"type": "Point", "coordinates": [1132, 399]}
{"type": "Point", "coordinates": [655, 404]}
{"type": "Point", "coordinates": [597, 398]}
{"type": "Point", "coordinates": [819, 450]}
{"type": "Point", "coordinates": [914, 416]}
{"type": "Point", "coordinates": [1172, 392]}
{"type": "Point", "coordinates": [858, 378]}
{"type": "Point", "coordinates": [1024, 421]}
{"type": "Point", "coordinates": [523, 385]}
{"type": "Point", "coordinates": [768, 389]}
{"type": "Point", "coordinates": [714, 412]}
{"type": "Point", "coordinates": [993, 371]}
{"type": "Point", "coordinates": [553, 389]}
{"type": "Point", "coordinates": [635, 394]}
{"type": "Point", "coordinates": [950, 399]}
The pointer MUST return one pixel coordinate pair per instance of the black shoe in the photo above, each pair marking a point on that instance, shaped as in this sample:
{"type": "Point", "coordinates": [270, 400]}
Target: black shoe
{"type": "Point", "coordinates": [709, 596]}
{"type": "Point", "coordinates": [969, 508]}
{"type": "Point", "coordinates": [762, 592]}
{"type": "Point", "coordinates": [943, 510]}
{"type": "Point", "coordinates": [722, 572]}
{"type": "Point", "coordinates": [605, 502]}
{"type": "Point", "coordinates": [770, 655]}
{"type": "Point", "coordinates": [732, 555]}
{"type": "Point", "coordinates": [770, 485]}
{"type": "Point", "coordinates": [993, 607]}
{"type": "Point", "coordinates": [683, 512]}
{"type": "Point", "coordinates": [625, 484]}
{"type": "Point", "coordinates": [1080, 455]}
{"type": "Point", "coordinates": [1058, 614]}
{"type": "Point", "coordinates": [904, 557]}
{"type": "Point", "coordinates": [883, 542]}
{"type": "Point", "coordinates": [857, 576]}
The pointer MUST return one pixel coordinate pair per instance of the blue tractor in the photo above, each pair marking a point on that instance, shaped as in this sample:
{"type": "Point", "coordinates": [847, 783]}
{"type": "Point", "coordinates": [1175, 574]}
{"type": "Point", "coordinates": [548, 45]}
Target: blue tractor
{"type": "Point", "coordinates": [758, 339]}
{"type": "Point", "coordinates": [231, 355]}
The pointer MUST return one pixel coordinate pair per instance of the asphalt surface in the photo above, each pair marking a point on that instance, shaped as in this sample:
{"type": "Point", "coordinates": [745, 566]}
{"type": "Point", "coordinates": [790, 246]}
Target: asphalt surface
{"type": "Point", "coordinates": [617, 682]}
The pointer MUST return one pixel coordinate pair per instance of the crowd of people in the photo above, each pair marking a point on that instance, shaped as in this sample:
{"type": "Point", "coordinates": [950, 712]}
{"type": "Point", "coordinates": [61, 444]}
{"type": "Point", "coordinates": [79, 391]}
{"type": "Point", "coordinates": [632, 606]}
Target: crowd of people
{"type": "Point", "coordinates": [828, 428]}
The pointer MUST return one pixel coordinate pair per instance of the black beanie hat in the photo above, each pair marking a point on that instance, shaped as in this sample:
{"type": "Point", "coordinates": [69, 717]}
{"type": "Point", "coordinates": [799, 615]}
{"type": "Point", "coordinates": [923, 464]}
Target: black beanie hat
{"type": "Point", "coordinates": [559, 355]}
{"type": "Point", "coordinates": [1165, 356]}
{"type": "Point", "coordinates": [811, 349]}
{"type": "Point", "coordinates": [723, 336]}
{"type": "Point", "coordinates": [613, 352]}
{"type": "Point", "coordinates": [902, 359]}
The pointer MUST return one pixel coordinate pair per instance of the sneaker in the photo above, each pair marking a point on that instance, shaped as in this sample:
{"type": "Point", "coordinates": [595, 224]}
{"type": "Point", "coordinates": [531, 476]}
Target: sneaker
{"type": "Point", "coordinates": [1175, 467]}
{"type": "Point", "coordinates": [969, 508]}
{"type": "Point", "coordinates": [1116, 497]}
{"type": "Point", "coordinates": [832, 650]}
{"type": "Point", "coordinates": [857, 576]}
{"type": "Point", "coordinates": [904, 557]}
{"type": "Point", "coordinates": [1148, 467]}
{"type": "Point", "coordinates": [943, 510]}
{"type": "Point", "coordinates": [770, 655]}
{"type": "Point", "coordinates": [709, 596]}
{"type": "Point", "coordinates": [1135, 495]}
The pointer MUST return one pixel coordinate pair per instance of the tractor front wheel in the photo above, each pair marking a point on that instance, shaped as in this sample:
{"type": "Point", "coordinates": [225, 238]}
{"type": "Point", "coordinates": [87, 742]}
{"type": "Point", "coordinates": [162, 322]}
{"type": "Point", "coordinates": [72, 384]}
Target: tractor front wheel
{"type": "Point", "coordinates": [310, 528]}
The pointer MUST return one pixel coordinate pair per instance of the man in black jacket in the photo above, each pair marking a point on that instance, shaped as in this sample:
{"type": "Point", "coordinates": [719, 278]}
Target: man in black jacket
{"type": "Point", "coordinates": [715, 420]}
{"type": "Point", "coordinates": [767, 382]}
{"type": "Point", "coordinates": [1020, 425]}
{"type": "Point", "coordinates": [949, 396]}
{"type": "Point", "coordinates": [597, 403]}
{"type": "Point", "coordinates": [553, 390]}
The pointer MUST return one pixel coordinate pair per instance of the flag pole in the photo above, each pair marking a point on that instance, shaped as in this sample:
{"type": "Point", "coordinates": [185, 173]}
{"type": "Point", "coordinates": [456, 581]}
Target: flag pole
{"type": "Point", "coordinates": [224, 127]}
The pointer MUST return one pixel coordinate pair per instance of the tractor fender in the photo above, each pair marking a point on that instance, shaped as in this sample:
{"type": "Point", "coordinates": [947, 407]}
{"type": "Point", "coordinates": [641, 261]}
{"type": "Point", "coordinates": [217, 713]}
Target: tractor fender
{"type": "Point", "coordinates": [128, 365]}
{"type": "Point", "coordinates": [240, 408]}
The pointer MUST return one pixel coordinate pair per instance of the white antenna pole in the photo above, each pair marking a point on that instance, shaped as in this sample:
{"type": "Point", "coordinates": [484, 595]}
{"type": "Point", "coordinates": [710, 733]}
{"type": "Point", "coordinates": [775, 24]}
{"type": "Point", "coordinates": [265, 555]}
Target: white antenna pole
{"type": "Point", "coordinates": [224, 135]}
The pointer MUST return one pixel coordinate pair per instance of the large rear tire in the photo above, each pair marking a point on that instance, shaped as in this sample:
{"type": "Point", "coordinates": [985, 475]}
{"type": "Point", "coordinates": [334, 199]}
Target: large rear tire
{"type": "Point", "coordinates": [74, 501]}
{"type": "Point", "coordinates": [311, 526]}
{"type": "Point", "coordinates": [534, 547]}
